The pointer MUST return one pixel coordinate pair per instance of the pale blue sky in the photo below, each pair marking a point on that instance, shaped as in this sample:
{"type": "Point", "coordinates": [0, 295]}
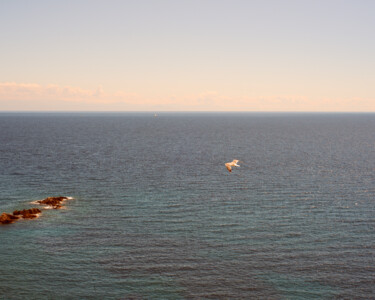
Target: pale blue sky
{"type": "Point", "coordinates": [188, 55]}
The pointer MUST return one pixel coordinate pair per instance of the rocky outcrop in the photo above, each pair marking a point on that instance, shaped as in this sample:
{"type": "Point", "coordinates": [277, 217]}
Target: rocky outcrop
{"type": "Point", "coordinates": [27, 213]}
{"type": "Point", "coordinates": [7, 218]}
{"type": "Point", "coordinates": [53, 202]}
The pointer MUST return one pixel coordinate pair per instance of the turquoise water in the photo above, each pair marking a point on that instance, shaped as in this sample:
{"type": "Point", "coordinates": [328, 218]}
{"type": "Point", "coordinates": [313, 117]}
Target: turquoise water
{"type": "Point", "coordinates": [156, 215]}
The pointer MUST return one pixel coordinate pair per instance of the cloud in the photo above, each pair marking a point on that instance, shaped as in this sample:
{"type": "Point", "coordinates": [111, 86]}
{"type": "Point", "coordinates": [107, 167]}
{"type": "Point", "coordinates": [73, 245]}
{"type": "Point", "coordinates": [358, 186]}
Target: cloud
{"type": "Point", "coordinates": [26, 91]}
{"type": "Point", "coordinates": [99, 91]}
{"type": "Point", "coordinates": [31, 96]}
{"type": "Point", "coordinates": [26, 96]}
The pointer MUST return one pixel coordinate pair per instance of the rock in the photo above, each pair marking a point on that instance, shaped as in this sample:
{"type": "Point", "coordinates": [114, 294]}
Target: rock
{"type": "Point", "coordinates": [55, 202]}
{"type": "Point", "coordinates": [35, 210]}
{"type": "Point", "coordinates": [27, 213]}
{"type": "Point", "coordinates": [7, 218]}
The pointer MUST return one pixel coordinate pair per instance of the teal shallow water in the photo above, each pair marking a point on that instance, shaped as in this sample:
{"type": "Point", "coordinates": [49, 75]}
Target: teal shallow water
{"type": "Point", "coordinates": [157, 216]}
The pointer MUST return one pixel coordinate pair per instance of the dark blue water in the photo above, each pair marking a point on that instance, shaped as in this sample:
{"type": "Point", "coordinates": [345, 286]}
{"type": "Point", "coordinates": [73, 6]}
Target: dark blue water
{"type": "Point", "coordinates": [157, 216]}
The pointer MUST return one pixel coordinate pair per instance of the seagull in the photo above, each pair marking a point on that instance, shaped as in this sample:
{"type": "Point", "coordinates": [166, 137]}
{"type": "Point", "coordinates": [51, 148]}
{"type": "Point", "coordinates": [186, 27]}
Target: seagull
{"type": "Point", "coordinates": [229, 165]}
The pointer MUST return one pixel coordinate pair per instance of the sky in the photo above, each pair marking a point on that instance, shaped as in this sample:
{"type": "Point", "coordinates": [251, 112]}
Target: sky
{"type": "Point", "coordinates": [187, 55]}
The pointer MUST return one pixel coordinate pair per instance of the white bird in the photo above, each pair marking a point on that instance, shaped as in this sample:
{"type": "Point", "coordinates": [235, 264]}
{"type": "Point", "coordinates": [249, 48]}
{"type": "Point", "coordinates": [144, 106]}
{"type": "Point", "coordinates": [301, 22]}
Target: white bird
{"type": "Point", "coordinates": [229, 165]}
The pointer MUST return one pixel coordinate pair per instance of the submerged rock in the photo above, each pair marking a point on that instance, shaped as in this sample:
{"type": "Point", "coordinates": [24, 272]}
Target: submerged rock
{"type": "Point", "coordinates": [7, 218]}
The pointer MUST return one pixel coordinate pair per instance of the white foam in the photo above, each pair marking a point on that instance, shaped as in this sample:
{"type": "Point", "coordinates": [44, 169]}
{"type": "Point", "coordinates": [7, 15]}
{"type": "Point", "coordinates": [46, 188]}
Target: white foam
{"type": "Point", "coordinates": [52, 207]}
{"type": "Point", "coordinates": [35, 202]}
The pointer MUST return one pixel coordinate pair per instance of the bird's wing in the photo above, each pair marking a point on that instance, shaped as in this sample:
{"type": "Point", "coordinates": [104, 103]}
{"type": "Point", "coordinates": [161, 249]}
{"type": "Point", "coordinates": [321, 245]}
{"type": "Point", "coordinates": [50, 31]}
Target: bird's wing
{"type": "Point", "coordinates": [228, 167]}
{"type": "Point", "coordinates": [235, 161]}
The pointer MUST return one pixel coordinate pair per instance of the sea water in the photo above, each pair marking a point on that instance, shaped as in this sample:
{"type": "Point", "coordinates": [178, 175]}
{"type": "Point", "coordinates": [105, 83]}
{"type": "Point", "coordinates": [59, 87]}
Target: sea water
{"type": "Point", "coordinates": [156, 215]}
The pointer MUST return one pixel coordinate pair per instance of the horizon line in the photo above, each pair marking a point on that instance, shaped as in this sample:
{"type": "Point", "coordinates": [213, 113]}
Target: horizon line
{"type": "Point", "coordinates": [187, 111]}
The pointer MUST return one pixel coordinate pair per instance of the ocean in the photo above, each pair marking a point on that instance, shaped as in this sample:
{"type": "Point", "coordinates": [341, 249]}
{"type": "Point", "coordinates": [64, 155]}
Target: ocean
{"type": "Point", "coordinates": [156, 215]}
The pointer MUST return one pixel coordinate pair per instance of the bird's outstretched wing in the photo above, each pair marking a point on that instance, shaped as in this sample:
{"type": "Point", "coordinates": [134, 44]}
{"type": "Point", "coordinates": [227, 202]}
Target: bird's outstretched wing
{"type": "Point", "coordinates": [228, 167]}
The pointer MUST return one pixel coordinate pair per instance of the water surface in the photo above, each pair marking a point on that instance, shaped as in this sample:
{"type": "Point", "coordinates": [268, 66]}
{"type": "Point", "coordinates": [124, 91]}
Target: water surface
{"type": "Point", "coordinates": [156, 215]}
